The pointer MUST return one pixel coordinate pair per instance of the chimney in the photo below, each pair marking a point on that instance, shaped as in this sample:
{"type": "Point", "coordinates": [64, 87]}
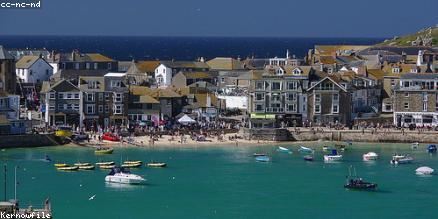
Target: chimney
{"type": "Point", "coordinates": [73, 55]}
{"type": "Point", "coordinates": [53, 55]}
{"type": "Point", "coordinates": [208, 102]}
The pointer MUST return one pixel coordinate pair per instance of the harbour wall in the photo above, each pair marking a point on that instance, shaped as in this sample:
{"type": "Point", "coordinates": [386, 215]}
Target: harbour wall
{"type": "Point", "coordinates": [29, 140]}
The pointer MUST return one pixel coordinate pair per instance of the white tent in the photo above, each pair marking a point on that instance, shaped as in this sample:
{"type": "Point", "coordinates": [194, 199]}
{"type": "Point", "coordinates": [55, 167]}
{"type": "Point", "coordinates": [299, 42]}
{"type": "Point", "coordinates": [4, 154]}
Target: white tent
{"type": "Point", "coordinates": [186, 120]}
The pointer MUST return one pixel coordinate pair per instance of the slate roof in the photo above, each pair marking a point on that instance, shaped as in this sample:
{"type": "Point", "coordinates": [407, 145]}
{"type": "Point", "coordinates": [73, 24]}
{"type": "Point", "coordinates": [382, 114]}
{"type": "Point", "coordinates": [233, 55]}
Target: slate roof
{"type": "Point", "coordinates": [185, 64]}
{"type": "Point", "coordinates": [4, 54]}
{"type": "Point", "coordinates": [75, 74]}
{"type": "Point", "coordinates": [427, 76]}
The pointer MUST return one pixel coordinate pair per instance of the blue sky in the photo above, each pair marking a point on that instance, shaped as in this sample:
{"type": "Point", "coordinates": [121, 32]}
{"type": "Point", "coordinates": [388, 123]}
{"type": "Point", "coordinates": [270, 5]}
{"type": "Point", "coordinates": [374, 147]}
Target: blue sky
{"type": "Point", "coordinates": [278, 18]}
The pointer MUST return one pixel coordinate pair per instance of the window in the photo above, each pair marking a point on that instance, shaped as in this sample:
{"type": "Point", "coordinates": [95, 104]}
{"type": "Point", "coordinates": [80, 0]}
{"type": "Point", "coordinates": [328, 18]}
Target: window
{"type": "Point", "coordinates": [90, 109]}
{"type": "Point", "coordinates": [292, 85]}
{"type": "Point", "coordinates": [107, 96]}
{"type": "Point", "coordinates": [317, 108]}
{"type": "Point", "coordinates": [69, 96]}
{"type": "Point", "coordinates": [92, 85]}
{"type": "Point", "coordinates": [291, 96]}
{"type": "Point", "coordinates": [87, 65]}
{"type": "Point", "coordinates": [76, 106]}
{"type": "Point", "coordinates": [260, 96]}
{"type": "Point", "coordinates": [424, 96]}
{"type": "Point", "coordinates": [118, 97]}
{"type": "Point", "coordinates": [100, 96]}
{"type": "Point", "coordinates": [69, 106]}
{"type": "Point", "coordinates": [275, 97]}
{"type": "Point", "coordinates": [61, 96]}
{"type": "Point", "coordinates": [76, 95]}
{"type": "Point", "coordinates": [275, 86]}
{"type": "Point", "coordinates": [106, 109]}
{"type": "Point", "coordinates": [297, 71]}
{"type": "Point", "coordinates": [52, 95]}
{"type": "Point", "coordinates": [280, 71]}
{"type": "Point", "coordinates": [76, 65]}
{"type": "Point", "coordinates": [335, 108]}
{"type": "Point", "coordinates": [100, 108]}
{"type": "Point", "coordinates": [63, 65]}
{"type": "Point", "coordinates": [116, 83]}
{"type": "Point", "coordinates": [109, 66]}
{"type": "Point", "coordinates": [95, 65]}
{"type": "Point", "coordinates": [60, 106]}
{"type": "Point", "coordinates": [424, 106]}
{"type": "Point", "coordinates": [260, 85]}
{"type": "Point", "coordinates": [292, 107]}
{"type": "Point", "coordinates": [392, 82]}
{"type": "Point", "coordinates": [406, 94]}
{"type": "Point", "coordinates": [90, 97]}
{"type": "Point", "coordinates": [317, 97]}
{"type": "Point", "coordinates": [118, 109]}
{"type": "Point", "coordinates": [51, 107]}
{"type": "Point", "coordinates": [222, 80]}
{"type": "Point", "coordinates": [406, 105]}
{"type": "Point", "coordinates": [259, 107]}
{"type": "Point", "coordinates": [335, 97]}
{"type": "Point", "coordinates": [396, 70]}
{"type": "Point", "coordinates": [414, 70]}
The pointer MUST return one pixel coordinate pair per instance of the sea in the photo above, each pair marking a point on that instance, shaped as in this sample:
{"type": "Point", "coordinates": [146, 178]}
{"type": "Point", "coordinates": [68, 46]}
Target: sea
{"type": "Point", "coordinates": [125, 48]}
{"type": "Point", "coordinates": [226, 182]}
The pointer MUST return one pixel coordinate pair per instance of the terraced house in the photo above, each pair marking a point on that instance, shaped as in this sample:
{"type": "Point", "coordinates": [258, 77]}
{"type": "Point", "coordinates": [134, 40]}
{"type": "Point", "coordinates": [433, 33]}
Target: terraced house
{"type": "Point", "coordinates": [416, 100]}
{"type": "Point", "coordinates": [277, 96]}
{"type": "Point", "coordinates": [96, 102]}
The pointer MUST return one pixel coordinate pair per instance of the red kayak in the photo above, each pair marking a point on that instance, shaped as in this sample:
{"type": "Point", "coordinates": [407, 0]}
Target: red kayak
{"type": "Point", "coordinates": [110, 137]}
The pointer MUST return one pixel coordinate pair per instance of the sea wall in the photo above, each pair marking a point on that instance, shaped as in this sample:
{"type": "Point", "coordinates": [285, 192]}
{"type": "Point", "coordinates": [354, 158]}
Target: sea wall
{"type": "Point", "coordinates": [29, 140]}
{"type": "Point", "coordinates": [267, 134]}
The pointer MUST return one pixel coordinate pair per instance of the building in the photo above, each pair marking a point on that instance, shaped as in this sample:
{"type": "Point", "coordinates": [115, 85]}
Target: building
{"type": "Point", "coordinates": [167, 69]}
{"type": "Point", "coordinates": [33, 69]}
{"type": "Point", "coordinates": [96, 102]}
{"type": "Point", "coordinates": [204, 106]}
{"type": "Point", "coordinates": [143, 108]}
{"type": "Point", "coordinates": [18, 53]}
{"type": "Point", "coordinates": [117, 88]}
{"type": "Point", "coordinates": [7, 71]}
{"type": "Point", "coordinates": [225, 64]}
{"type": "Point", "coordinates": [142, 72]}
{"type": "Point", "coordinates": [80, 61]}
{"type": "Point", "coordinates": [277, 97]}
{"type": "Point", "coordinates": [10, 122]}
{"type": "Point", "coordinates": [185, 78]}
{"type": "Point", "coordinates": [329, 102]}
{"type": "Point", "coordinates": [416, 100]}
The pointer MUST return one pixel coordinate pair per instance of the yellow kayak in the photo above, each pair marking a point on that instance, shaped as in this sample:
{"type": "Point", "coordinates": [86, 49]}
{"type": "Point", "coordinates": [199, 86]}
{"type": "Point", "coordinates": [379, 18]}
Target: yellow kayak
{"type": "Point", "coordinates": [104, 151]}
{"type": "Point", "coordinates": [106, 166]}
{"type": "Point", "coordinates": [61, 165]}
{"type": "Point", "coordinates": [73, 168]}
{"type": "Point", "coordinates": [87, 167]}
{"type": "Point", "coordinates": [105, 163]}
{"type": "Point", "coordinates": [131, 165]}
{"type": "Point", "coordinates": [157, 164]}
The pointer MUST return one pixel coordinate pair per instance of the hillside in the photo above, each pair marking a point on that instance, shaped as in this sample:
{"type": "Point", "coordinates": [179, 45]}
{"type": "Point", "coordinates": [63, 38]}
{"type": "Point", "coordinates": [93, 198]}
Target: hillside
{"type": "Point", "coordinates": [424, 37]}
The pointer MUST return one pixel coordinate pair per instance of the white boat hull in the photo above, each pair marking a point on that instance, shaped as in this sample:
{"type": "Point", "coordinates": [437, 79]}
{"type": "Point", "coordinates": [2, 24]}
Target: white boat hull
{"type": "Point", "coordinates": [332, 158]}
{"type": "Point", "coordinates": [124, 180]}
{"type": "Point", "coordinates": [370, 156]}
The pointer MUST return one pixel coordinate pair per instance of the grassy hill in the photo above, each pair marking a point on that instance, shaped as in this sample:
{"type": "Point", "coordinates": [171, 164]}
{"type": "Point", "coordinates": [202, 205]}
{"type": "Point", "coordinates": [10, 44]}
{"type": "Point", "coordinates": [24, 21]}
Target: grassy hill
{"type": "Point", "coordinates": [425, 35]}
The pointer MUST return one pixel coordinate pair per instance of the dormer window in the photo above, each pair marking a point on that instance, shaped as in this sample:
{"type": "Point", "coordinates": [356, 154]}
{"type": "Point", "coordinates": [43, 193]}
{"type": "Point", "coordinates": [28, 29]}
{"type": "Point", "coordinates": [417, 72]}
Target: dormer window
{"type": "Point", "coordinates": [297, 71]}
{"type": "Point", "coordinates": [396, 70]}
{"type": "Point", "coordinates": [329, 70]}
{"type": "Point", "coordinates": [414, 70]}
{"type": "Point", "coordinates": [280, 71]}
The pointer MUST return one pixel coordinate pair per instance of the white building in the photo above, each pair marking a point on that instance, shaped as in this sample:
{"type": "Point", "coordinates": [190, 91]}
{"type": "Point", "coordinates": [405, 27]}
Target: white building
{"type": "Point", "coordinates": [33, 69]}
{"type": "Point", "coordinates": [167, 69]}
{"type": "Point", "coordinates": [163, 75]}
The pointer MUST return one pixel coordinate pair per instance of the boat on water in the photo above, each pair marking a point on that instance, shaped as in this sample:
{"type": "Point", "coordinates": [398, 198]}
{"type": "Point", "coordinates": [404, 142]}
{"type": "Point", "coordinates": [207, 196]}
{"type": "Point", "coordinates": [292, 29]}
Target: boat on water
{"type": "Point", "coordinates": [82, 164]}
{"type": "Point", "coordinates": [303, 149]}
{"type": "Point", "coordinates": [104, 151]}
{"type": "Point", "coordinates": [156, 164]}
{"type": "Point", "coordinates": [431, 148]}
{"type": "Point", "coordinates": [415, 145]}
{"type": "Point", "coordinates": [370, 156]}
{"type": "Point", "coordinates": [68, 168]}
{"type": "Point", "coordinates": [333, 157]}
{"type": "Point", "coordinates": [86, 167]}
{"type": "Point", "coordinates": [356, 183]}
{"type": "Point", "coordinates": [123, 176]}
{"type": "Point", "coordinates": [259, 154]}
{"type": "Point", "coordinates": [131, 165]}
{"type": "Point", "coordinates": [283, 149]}
{"type": "Point", "coordinates": [401, 159]}
{"type": "Point", "coordinates": [132, 162]}
{"type": "Point", "coordinates": [107, 166]}
{"type": "Point", "coordinates": [64, 131]}
{"type": "Point", "coordinates": [308, 158]}
{"type": "Point", "coordinates": [262, 158]}
{"type": "Point", "coordinates": [61, 165]}
{"type": "Point", "coordinates": [326, 148]}
{"type": "Point", "coordinates": [424, 171]}
{"type": "Point", "coordinates": [105, 163]}
{"type": "Point", "coordinates": [110, 137]}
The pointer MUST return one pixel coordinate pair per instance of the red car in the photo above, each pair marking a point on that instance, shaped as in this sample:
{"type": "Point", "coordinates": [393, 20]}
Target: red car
{"type": "Point", "coordinates": [110, 137]}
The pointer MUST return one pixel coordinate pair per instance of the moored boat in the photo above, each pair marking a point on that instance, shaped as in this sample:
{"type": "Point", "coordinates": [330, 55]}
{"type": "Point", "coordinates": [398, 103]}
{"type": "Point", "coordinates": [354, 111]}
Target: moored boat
{"type": "Point", "coordinates": [86, 167]}
{"type": "Point", "coordinates": [82, 164]}
{"type": "Point", "coordinates": [326, 148]}
{"type": "Point", "coordinates": [123, 176]}
{"type": "Point", "coordinates": [156, 164]}
{"type": "Point", "coordinates": [131, 165]}
{"type": "Point", "coordinates": [308, 158]}
{"type": "Point", "coordinates": [303, 149]}
{"type": "Point", "coordinates": [61, 165]}
{"type": "Point", "coordinates": [259, 154]}
{"type": "Point", "coordinates": [401, 159]}
{"type": "Point", "coordinates": [68, 168]}
{"type": "Point", "coordinates": [431, 148]}
{"type": "Point", "coordinates": [424, 171]}
{"type": "Point", "coordinates": [283, 149]}
{"type": "Point", "coordinates": [262, 158]}
{"type": "Point", "coordinates": [132, 162]}
{"type": "Point", "coordinates": [333, 157]}
{"type": "Point", "coordinates": [370, 156]}
{"type": "Point", "coordinates": [104, 151]}
{"type": "Point", "coordinates": [105, 163]}
{"type": "Point", "coordinates": [414, 145]}
{"type": "Point", "coordinates": [107, 166]}
{"type": "Point", "coordinates": [356, 183]}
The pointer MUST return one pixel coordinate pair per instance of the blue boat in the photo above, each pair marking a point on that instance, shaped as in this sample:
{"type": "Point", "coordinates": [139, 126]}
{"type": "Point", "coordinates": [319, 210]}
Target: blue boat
{"type": "Point", "coordinates": [262, 158]}
{"type": "Point", "coordinates": [431, 148]}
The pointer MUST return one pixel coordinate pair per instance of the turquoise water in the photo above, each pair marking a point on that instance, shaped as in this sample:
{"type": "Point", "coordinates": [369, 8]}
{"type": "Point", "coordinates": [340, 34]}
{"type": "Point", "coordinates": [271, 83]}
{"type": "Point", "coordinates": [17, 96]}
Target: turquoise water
{"type": "Point", "coordinates": [226, 182]}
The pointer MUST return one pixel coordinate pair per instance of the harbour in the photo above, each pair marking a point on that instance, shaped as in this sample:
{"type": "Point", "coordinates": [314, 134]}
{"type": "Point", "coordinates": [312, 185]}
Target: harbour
{"type": "Point", "coordinates": [227, 182]}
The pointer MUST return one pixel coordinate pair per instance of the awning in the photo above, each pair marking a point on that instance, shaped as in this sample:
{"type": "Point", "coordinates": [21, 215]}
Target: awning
{"type": "Point", "coordinates": [262, 116]}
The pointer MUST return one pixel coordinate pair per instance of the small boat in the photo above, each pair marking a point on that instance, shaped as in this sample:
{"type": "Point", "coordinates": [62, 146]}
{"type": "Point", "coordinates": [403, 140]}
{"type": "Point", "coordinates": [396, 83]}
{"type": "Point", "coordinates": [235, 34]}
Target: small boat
{"type": "Point", "coordinates": [156, 164]}
{"type": "Point", "coordinates": [132, 162]}
{"type": "Point", "coordinates": [303, 149]}
{"type": "Point", "coordinates": [47, 158]}
{"type": "Point", "coordinates": [326, 148]}
{"type": "Point", "coordinates": [107, 166]}
{"type": "Point", "coordinates": [401, 159]}
{"type": "Point", "coordinates": [86, 167]}
{"type": "Point", "coordinates": [104, 151]}
{"type": "Point", "coordinates": [110, 137]}
{"type": "Point", "coordinates": [424, 171]}
{"type": "Point", "coordinates": [123, 176]}
{"type": "Point", "coordinates": [370, 156]}
{"type": "Point", "coordinates": [283, 149]}
{"type": "Point", "coordinates": [262, 158]}
{"type": "Point", "coordinates": [64, 131]}
{"type": "Point", "coordinates": [105, 163]}
{"type": "Point", "coordinates": [82, 164]}
{"type": "Point", "coordinates": [333, 157]}
{"type": "Point", "coordinates": [131, 165]}
{"type": "Point", "coordinates": [308, 158]}
{"type": "Point", "coordinates": [357, 183]}
{"type": "Point", "coordinates": [61, 165]}
{"type": "Point", "coordinates": [259, 154]}
{"type": "Point", "coordinates": [68, 168]}
{"type": "Point", "coordinates": [431, 148]}
{"type": "Point", "coordinates": [415, 145]}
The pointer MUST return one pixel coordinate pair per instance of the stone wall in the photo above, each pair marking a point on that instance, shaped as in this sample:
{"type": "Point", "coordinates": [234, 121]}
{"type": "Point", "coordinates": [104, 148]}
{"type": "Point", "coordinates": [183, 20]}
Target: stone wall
{"type": "Point", "coordinates": [267, 134]}
{"type": "Point", "coordinates": [29, 140]}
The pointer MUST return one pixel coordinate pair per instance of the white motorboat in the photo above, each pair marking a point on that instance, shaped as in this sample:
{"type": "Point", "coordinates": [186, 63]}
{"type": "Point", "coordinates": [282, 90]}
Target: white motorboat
{"type": "Point", "coordinates": [401, 159]}
{"type": "Point", "coordinates": [123, 176]}
{"type": "Point", "coordinates": [333, 157]}
{"type": "Point", "coordinates": [305, 150]}
{"type": "Point", "coordinates": [283, 149]}
{"type": "Point", "coordinates": [424, 171]}
{"type": "Point", "coordinates": [415, 145]}
{"type": "Point", "coordinates": [370, 156]}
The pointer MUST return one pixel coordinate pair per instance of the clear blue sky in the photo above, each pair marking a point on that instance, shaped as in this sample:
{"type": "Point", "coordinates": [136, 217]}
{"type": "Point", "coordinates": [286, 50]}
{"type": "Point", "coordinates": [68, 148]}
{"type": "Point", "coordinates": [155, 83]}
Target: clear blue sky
{"type": "Point", "coordinates": [295, 18]}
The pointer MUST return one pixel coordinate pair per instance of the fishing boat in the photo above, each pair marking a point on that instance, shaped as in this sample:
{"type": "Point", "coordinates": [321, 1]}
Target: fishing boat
{"type": "Point", "coordinates": [334, 156]}
{"type": "Point", "coordinates": [110, 137]}
{"type": "Point", "coordinates": [308, 158]}
{"type": "Point", "coordinates": [283, 149]}
{"type": "Point", "coordinates": [431, 148]}
{"type": "Point", "coordinates": [105, 163]}
{"type": "Point", "coordinates": [86, 167]}
{"type": "Point", "coordinates": [424, 171]}
{"type": "Point", "coordinates": [61, 165]}
{"type": "Point", "coordinates": [415, 145]}
{"type": "Point", "coordinates": [370, 156]}
{"type": "Point", "coordinates": [131, 165]}
{"type": "Point", "coordinates": [262, 158]}
{"type": "Point", "coordinates": [82, 164]}
{"type": "Point", "coordinates": [123, 176]}
{"type": "Point", "coordinates": [401, 159]}
{"type": "Point", "coordinates": [132, 162]}
{"type": "Point", "coordinates": [155, 164]}
{"type": "Point", "coordinates": [107, 166]}
{"type": "Point", "coordinates": [68, 168]}
{"type": "Point", "coordinates": [357, 183]}
{"type": "Point", "coordinates": [104, 150]}
{"type": "Point", "coordinates": [259, 154]}
{"type": "Point", "coordinates": [64, 131]}
{"type": "Point", "coordinates": [303, 149]}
